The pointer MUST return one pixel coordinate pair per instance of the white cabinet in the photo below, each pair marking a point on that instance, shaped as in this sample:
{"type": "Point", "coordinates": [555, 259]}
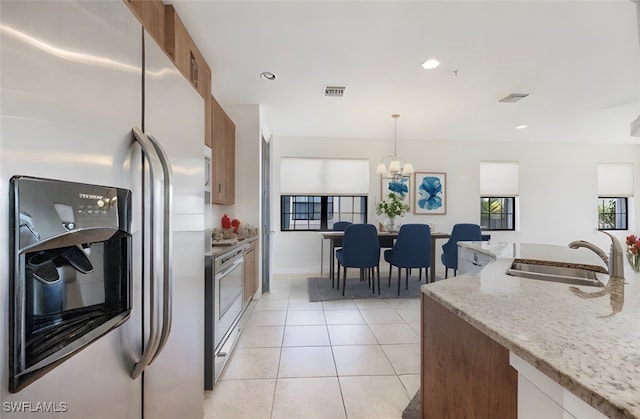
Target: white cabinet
{"type": "Point", "coordinates": [471, 260]}
{"type": "Point", "coordinates": [541, 397]}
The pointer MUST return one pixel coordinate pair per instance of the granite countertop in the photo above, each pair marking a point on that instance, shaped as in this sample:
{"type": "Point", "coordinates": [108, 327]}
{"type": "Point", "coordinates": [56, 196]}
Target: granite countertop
{"type": "Point", "coordinates": [589, 346]}
{"type": "Point", "coordinates": [217, 249]}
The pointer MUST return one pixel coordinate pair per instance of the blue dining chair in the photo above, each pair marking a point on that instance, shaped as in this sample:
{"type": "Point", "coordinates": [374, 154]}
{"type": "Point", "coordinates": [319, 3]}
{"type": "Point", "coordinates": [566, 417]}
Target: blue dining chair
{"type": "Point", "coordinates": [337, 244]}
{"type": "Point", "coordinates": [360, 249]}
{"type": "Point", "coordinates": [411, 250]}
{"type": "Point", "coordinates": [460, 232]}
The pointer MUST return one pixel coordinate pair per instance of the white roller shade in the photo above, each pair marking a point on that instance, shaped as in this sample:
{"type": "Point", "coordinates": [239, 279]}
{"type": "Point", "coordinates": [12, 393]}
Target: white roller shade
{"type": "Point", "coordinates": [499, 178]}
{"type": "Point", "coordinates": [307, 176]}
{"type": "Point", "coordinates": [615, 179]}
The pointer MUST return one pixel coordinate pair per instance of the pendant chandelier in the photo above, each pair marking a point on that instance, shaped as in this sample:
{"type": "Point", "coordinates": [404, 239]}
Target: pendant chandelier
{"type": "Point", "coordinates": [398, 166]}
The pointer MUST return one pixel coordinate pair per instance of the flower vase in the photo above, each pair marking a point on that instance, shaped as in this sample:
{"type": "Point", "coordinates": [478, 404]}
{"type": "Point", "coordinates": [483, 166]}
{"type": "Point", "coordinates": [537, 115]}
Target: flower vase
{"type": "Point", "coordinates": [391, 225]}
{"type": "Point", "coordinates": [634, 261]}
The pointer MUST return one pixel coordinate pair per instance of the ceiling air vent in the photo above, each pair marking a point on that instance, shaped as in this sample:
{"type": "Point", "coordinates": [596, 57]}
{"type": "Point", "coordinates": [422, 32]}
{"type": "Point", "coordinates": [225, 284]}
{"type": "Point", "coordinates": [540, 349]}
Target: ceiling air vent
{"type": "Point", "coordinates": [334, 91]}
{"type": "Point", "coordinates": [514, 97]}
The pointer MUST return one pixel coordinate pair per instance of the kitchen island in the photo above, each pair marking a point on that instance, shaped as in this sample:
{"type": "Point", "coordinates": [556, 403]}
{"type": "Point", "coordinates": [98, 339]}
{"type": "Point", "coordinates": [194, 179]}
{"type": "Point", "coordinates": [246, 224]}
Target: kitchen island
{"type": "Point", "coordinates": [475, 325]}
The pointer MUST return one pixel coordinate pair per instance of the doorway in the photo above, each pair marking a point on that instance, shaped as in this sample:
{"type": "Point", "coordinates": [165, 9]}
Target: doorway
{"type": "Point", "coordinates": [266, 215]}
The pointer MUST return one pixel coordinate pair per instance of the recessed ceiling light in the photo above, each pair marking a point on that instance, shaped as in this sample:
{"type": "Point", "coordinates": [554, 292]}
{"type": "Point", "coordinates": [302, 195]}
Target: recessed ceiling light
{"type": "Point", "coordinates": [430, 64]}
{"type": "Point", "coordinates": [521, 127]}
{"type": "Point", "coordinates": [267, 75]}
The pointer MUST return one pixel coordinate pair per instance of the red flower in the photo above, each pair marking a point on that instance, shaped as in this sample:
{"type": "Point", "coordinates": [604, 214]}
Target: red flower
{"type": "Point", "coordinates": [631, 239]}
{"type": "Point", "coordinates": [236, 224]}
{"type": "Point", "coordinates": [226, 222]}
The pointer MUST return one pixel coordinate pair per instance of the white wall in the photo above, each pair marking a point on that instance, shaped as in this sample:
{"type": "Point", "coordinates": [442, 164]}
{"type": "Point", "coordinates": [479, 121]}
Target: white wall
{"type": "Point", "coordinates": [247, 174]}
{"type": "Point", "coordinates": [247, 193]}
{"type": "Point", "coordinates": [247, 120]}
{"type": "Point", "coordinates": [557, 188]}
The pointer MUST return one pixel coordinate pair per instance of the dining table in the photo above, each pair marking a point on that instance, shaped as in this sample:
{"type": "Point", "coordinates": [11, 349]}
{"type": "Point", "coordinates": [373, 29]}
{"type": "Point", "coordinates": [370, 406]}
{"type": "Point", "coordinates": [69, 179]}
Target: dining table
{"type": "Point", "coordinates": [385, 237]}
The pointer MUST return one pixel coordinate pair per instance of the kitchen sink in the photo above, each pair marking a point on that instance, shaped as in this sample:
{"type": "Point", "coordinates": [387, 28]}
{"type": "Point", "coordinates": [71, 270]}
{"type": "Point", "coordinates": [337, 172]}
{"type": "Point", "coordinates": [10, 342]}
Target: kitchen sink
{"type": "Point", "coordinates": [568, 273]}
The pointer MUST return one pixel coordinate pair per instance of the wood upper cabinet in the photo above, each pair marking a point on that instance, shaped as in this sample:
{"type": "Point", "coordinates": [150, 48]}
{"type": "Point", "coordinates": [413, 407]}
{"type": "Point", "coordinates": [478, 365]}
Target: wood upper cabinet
{"type": "Point", "coordinates": [204, 80]}
{"type": "Point", "coordinates": [184, 53]}
{"type": "Point", "coordinates": [151, 14]}
{"type": "Point", "coordinates": [164, 25]}
{"type": "Point", "coordinates": [208, 121]}
{"type": "Point", "coordinates": [223, 148]}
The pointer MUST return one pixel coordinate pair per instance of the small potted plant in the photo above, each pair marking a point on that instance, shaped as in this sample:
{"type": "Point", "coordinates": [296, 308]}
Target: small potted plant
{"type": "Point", "coordinates": [633, 252]}
{"type": "Point", "coordinates": [392, 207]}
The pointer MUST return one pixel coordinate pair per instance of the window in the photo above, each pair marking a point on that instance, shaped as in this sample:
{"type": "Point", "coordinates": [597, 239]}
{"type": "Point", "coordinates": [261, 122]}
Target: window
{"type": "Point", "coordinates": [497, 213]}
{"type": "Point", "coordinates": [499, 188]}
{"type": "Point", "coordinates": [319, 213]}
{"type": "Point", "coordinates": [615, 185]}
{"type": "Point", "coordinates": [612, 213]}
{"type": "Point", "coordinates": [317, 192]}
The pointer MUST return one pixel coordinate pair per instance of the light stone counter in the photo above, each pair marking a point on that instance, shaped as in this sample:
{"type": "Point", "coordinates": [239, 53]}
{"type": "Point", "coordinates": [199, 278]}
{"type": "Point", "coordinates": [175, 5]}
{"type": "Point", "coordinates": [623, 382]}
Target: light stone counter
{"type": "Point", "coordinates": [579, 343]}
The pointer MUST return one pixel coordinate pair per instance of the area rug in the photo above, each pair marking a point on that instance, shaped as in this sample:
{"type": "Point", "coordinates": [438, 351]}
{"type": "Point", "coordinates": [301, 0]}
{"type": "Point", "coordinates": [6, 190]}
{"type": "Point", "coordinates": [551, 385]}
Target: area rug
{"type": "Point", "coordinates": [320, 289]}
{"type": "Point", "coordinates": [412, 411]}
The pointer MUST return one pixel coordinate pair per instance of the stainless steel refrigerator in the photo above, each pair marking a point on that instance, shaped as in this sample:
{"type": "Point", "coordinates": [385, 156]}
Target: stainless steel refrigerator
{"type": "Point", "coordinates": [76, 78]}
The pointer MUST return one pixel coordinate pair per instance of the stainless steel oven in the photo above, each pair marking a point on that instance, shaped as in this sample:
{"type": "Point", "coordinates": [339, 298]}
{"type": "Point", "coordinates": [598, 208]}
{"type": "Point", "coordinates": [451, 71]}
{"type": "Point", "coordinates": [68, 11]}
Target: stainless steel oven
{"type": "Point", "coordinates": [223, 307]}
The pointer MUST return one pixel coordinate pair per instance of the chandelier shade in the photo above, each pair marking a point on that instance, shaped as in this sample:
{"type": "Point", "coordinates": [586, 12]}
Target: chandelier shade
{"type": "Point", "coordinates": [398, 167]}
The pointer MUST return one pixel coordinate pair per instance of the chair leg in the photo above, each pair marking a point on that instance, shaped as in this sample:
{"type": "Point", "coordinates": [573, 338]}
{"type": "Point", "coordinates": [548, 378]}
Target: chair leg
{"type": "Point", "coordinates": [455, 272]}
{"type": "Point", "coordinates": [399, 279]}
{"type": "Point", "coordinates": [446, 272]}
{"type": "Point", "coordinates": [333, 276]}
{"type": "Point", "coordinates": [406, 279]}
{"type": "Point", "coordinates": [372, 279]}
{"type": "Point", "coordinates": [419, 274]}
{"type": "Point", "coordinates": [338, 277]}
{"type": "Point", "coordinates": [390, 269]}
{"type": "Point", "coordinates": [378, 270]}
{"type": "Point", "coordinates": [344, 281]}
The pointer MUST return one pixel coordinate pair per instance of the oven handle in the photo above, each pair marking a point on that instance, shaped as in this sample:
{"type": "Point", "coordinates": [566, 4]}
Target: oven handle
{"type": "Point", "coordinates": [149, 351]}
{"type": "Point", "coordinates": [167, 234]}
{"type": "Point", "coordinates": [222, 274]}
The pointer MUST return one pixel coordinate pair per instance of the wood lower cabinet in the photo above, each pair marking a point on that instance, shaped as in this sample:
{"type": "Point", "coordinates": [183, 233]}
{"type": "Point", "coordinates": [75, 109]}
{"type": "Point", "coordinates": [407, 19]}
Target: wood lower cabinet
{"type": "Point", "coordinates": [250, 272]}
{"type": "Point", "coordinates": [465, 374]}
{"type": "Point", "coordinates": [223, 148]}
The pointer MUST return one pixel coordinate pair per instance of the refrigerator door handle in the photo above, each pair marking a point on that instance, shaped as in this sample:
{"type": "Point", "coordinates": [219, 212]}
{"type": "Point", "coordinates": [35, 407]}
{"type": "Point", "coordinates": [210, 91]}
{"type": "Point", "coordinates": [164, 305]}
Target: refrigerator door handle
{"type": "Point", "coordinates": [167, 245]}
{"type": "Point", "coordinates": [149, 153]}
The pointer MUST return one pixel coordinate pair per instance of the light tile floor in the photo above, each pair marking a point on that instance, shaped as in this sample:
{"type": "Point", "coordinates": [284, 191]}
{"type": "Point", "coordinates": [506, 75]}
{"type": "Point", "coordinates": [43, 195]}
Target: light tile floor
{"type": "Point", "coordinates": [333, 359]}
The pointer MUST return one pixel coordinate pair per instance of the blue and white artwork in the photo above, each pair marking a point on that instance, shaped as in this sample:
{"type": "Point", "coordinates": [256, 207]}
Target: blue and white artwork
{"type": "Point", "coordinates": [398, 186]}
{"type": "Point", "coordinates": [429, 193]}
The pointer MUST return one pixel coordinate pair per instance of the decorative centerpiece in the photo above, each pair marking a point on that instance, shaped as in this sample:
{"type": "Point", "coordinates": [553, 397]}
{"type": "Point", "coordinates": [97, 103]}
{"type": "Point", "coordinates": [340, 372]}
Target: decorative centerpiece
{"type": "Point", "coordinates": [229, 227]}
{"type": "Point", "coordinates": [392, 207]}
{"type": "Point", "coordinates": [633, 252]}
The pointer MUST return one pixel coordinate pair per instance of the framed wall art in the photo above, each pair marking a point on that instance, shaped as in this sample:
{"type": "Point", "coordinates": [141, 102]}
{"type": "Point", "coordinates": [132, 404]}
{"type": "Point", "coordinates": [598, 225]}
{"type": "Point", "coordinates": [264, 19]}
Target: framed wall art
{"type": "Point", "coordinates": [401, 186]}
{"type": "Point", "coordinates": [429, 193]}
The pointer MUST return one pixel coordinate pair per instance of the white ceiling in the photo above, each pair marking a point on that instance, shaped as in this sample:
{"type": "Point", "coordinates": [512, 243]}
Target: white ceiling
{"type": "Point", "coordinates": [580, 60]}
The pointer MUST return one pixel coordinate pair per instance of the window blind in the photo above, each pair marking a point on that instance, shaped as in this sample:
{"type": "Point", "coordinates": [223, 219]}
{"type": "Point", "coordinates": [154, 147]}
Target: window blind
{"type": "Point", "coordinates": [499, 178]}
{"type": "Point", "coordinates": [615, 179]}
{"type": "Point", "coordinates": [318, 176]}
